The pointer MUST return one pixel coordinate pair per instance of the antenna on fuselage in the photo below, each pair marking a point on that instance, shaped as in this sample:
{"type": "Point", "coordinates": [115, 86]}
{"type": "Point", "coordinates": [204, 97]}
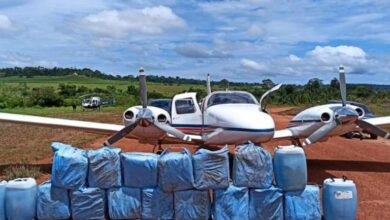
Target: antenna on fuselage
{"type": "Point", "coordinates": [208, 84]}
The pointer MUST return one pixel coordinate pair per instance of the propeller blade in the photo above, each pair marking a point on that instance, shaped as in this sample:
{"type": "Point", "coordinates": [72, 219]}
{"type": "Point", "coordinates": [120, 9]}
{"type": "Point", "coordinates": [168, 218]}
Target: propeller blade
{"type": "Point", "coordinates": [267, 93]}
{"type": "Point", "coordinates": [343, 86]}
{"type": "Point", "coordinates": [320, 133]}
{"type": "Point", "coordinates": [208, 84]}
{"type": "Point", "coordinates": [373, 129]}
{"type": "Point", "coordinates": [142, 88]}
{"type": "Point", "coordinates": [120, 134]}
{"type": "Point", "coordinates": [173, 131]}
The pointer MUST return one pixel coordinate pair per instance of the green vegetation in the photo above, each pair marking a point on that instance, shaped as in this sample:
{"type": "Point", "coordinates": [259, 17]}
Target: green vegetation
{"type": "Point", "coordinates": [22, 171]}
{"type": "Point", "coordinates": [35, 89]}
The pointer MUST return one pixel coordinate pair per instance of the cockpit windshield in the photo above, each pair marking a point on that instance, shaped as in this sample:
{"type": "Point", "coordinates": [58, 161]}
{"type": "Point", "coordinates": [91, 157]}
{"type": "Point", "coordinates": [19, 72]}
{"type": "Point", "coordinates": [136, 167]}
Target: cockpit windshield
{"type": "Point", "coordinates": [230, 98]}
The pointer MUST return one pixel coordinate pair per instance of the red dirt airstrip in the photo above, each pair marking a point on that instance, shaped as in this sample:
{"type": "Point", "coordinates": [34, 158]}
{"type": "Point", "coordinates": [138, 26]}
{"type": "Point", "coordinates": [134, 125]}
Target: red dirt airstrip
{"type": "Point", "coordinates": [366, 162]}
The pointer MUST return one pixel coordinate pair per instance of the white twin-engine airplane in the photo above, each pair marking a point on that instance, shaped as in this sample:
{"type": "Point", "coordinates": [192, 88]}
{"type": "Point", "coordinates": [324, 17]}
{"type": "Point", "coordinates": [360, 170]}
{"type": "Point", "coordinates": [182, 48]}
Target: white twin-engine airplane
{"type": "Point", "coordinates": [223, 117]}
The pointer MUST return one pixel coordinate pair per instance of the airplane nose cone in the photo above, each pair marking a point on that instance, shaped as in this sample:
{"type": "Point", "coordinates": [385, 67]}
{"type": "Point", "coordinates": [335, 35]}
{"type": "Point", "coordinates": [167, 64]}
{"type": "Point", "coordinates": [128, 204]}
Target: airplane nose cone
{"type": "Point", "coordinates": [346, 115]}
{"type": "Point", "coordinates": [244, 117]}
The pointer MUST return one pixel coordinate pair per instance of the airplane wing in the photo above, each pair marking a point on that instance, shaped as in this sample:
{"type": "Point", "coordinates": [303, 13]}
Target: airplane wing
{"type": "Point", "coordinates": [91, 127]}
{"type": "Point", "coordinates": [378, 120]}
{"type": "Point", "coordinates": [283, 134]}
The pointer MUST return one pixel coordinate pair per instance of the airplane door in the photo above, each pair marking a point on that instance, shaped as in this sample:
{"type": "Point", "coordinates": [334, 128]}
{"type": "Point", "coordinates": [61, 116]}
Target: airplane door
{"type": "Point", "coordinates": [186, 112]}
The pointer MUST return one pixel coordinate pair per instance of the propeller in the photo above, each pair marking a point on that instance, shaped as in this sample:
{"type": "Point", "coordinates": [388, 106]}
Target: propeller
{"type": "Point", "coordinates": [145, 118]}
{"type": "Point", "coordinates": [343, 115]}
{"type": "Point", "coordinates": [208, 84]}
{"type": "Point", "coordinates": [267, 94]}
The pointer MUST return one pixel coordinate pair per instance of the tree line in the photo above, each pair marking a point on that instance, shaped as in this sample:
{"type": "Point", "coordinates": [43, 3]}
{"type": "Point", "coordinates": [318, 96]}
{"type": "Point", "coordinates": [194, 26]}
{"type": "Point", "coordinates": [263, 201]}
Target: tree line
{"type": "Point", "coordinates": [313, 92]}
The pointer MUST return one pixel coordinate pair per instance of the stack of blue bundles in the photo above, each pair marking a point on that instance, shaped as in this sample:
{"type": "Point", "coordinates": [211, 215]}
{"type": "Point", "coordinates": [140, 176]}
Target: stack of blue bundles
{"type": "Point", "coordinates": [266, 204]}
{"type": "Point", "coordinates": [303, 204]}
{"type": "Point", "coordinates": [70, 167]}
{"type": "Point", "coordinates": [124, 203]}
{"type": "Point", "coordinates": [104, 168]}
{"type": "Point", "coordinates": [88, 203]}
{"type": "Point", "coordinates": [231, 203]}
{"type": "Point", "coordinates": [192, 204]}
{"type": "Point", "coordinates": [175, 170]}
{"type": "Point", "coordinates": [211, 169]}
{"type": "Point", "coordinates": [52, 202]}
{"type": "Point", "coordinates": [252, 167]}
{"type": "Point", "coordinates": [157, 204]}
{"type": "Point", "coordinates": [139, 169]}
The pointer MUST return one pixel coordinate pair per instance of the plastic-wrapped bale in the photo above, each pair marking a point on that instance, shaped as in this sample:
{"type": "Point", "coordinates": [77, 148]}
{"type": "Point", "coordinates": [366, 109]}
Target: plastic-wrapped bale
{"type": "Point", "coordinates": [139, 169]}
{"type": "Point", "coordinates": [252, 167]}
{"type": "Point", "coordinates": [124, 203]}
{"type": "Point", "coordinates": [104, 168]}
{"type": "Point", "coordinates": [20, 199]}
{"type": "Point", "coordinates": [88, 203]}
{"type": "Point", "coordinates": [157, 204]}
{"type": "Point", "coordinates": [211, 169]}
{"type": "Point", "coordinates": [290, 168]}
{"type": "Point", "coordinates": [52, 202]}
{"type": "Point", "coordinates": [192, 204]}
{"type": "Point", "coordinates": [303, 205]}
{"type": "Point", "coordinates": [231, 203]}
{"type": "Point", "coordinates": [339, 199]}
{"type": "Point", "coordinates": [175, 170]}
{"type": "Point", "coordinates": [70, 167]}
{"type": "Point", "coordinates": [3, 185]}
{"type": "Point", "coordinates": [266, 204]}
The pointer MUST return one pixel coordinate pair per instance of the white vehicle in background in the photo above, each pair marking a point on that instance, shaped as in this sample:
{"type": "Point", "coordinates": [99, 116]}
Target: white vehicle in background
{"type": "Point", "coordinates": [94, 102]}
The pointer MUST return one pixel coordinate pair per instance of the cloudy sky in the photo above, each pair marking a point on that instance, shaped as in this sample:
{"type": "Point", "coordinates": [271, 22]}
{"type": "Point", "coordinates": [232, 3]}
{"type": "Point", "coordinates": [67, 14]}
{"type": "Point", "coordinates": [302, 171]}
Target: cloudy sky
{"type": "Point", "coordinates": [248, 40]}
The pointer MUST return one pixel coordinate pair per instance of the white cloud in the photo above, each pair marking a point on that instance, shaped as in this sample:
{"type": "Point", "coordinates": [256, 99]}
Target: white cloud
{"type": "Point", "coordinates": [328, 55]}
{"type": "Point", "coordinates": [256, 30]}
{"type": "Point", "coordinates": [5, 24]}
{"type": "Point", "coordinates": [149, 21]}
{"type": "Point", "coordinates": [252, 65]}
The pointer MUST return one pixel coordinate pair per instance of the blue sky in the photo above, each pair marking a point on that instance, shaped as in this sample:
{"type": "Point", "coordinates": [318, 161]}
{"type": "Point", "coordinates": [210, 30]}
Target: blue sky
{"type": "Point", "coordinates": [249, 40]}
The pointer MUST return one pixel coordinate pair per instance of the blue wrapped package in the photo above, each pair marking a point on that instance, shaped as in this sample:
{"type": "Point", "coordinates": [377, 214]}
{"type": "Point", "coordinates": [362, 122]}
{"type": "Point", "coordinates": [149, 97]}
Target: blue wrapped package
{"type": "Point", "coordinates": [104, 170]}
{"type": "Point", "coordinates": [52, 202]}
{"type": "Point", "coordinates": [192, 204]}
{"type": "Point", "coordinates": [252, 167]}
{"type": "Point", "coordinates": [88, 203]}
{"type": "Point", "coordinates": [124, 203]}
{"type": "Point", "coordinates": [266, 204]}
{"type": "Point", "coordinates": [211, 169]}
{"type": "Point", "coordinates": [303, 205]}
{"type": "Point", "coordinates": [3, 185]}
{"type": "Point", "coordinates": [139, 169]}
{"type": "Point", "coordinates": [70, 167]}
{"type": "Point", "coordinates": [157, 204]}
{"type": "Point", "coordinates": [231, 203]}
{"type": "Point", "coordinates": [175, 170]}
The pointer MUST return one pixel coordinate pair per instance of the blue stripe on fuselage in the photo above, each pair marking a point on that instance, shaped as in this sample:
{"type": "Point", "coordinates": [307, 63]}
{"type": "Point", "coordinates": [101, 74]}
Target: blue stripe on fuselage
{"type": "Point", "coordinates": [225, 128]}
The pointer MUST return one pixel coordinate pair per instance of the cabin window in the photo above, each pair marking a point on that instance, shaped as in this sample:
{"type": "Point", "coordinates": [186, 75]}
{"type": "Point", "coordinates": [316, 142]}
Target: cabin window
{"type": "Point", "coordinates": [185, 106]}
{"type": "Point", "coordinates": [230, 98]}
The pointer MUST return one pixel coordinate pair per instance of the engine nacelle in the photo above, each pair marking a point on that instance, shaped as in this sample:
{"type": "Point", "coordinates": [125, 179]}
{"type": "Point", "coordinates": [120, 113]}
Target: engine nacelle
{"type": "Point", "coordinates": [131, 115]}
{"type": "Point", "coordinates": [360, 112]}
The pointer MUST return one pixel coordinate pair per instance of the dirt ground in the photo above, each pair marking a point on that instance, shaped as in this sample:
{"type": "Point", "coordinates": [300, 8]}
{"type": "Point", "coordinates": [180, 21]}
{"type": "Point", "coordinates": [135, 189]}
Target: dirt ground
{"type": "Point", "coordinates": [366, 162]}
